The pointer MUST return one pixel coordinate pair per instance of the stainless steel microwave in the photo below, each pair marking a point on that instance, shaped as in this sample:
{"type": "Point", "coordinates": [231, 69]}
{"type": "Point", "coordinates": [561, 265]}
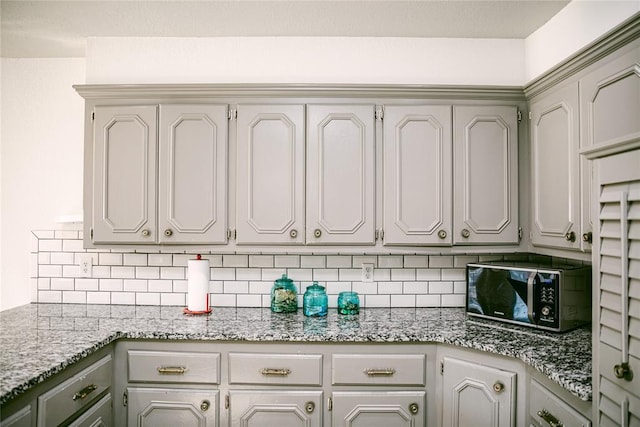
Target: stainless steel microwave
{"type": "Point", "coordinates": [555, 298]}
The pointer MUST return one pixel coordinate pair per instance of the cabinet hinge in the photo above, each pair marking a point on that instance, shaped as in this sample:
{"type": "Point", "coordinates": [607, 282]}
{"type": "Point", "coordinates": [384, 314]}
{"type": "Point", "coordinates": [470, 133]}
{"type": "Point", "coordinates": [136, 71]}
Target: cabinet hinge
{"type": "Point", "coordinates": [519, 233]}
{"type": "Point", "coordinates": [232, 113]}
{"type": "Point", "coordinates": [226, 401]}
{"type": "Point", "coordinates": [125, 398]}
{"type": "Point", "coordinates": [380, 234]}
{"type": "Point", "coordinates": [330, 403]}
{"type": "Point", "coordinates": [379, 115]}
{"type": "Point", "coordinates": [530, 115]}
{"type": "Point", "coordinates": [441, 367]}
{"type": "Point", "coordinates": [93, 115]}
{"type": "Point", "coordinates": [231, 234]}
{"type": "Point", "coordinates": [91, 233]}
{"type": "Point", "coordinates": [519, 116]}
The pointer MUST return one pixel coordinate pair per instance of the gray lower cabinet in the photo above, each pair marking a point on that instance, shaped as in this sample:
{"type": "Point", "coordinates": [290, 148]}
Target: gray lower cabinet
{"type": "Point", "coordinates": [99, 415]}
{"type": "Point", "coordinates": [170, 406]}
{"type": "Point", "coordinates": [21, 418]}
{"type": "Point", "coordinates": [546, 409]}
{"type": "Point", "coordinates": [477, 394]}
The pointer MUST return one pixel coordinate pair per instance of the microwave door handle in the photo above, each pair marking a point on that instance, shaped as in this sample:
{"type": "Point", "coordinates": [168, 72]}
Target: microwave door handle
{"type": "Point", "coordinates": [530, 283]}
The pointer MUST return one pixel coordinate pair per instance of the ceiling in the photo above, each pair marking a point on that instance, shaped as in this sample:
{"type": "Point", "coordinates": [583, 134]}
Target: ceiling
{"type": "Point", "coordinates": [54, 28]}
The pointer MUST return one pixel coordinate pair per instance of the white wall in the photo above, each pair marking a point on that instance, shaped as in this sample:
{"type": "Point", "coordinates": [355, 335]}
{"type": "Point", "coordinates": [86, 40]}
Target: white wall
{"type": "Point", "coordinates": [580, 23]}
{"type": "Point", "coordinates": [41, 154]}
{"type": "Point", "coordinates": [305, 60]}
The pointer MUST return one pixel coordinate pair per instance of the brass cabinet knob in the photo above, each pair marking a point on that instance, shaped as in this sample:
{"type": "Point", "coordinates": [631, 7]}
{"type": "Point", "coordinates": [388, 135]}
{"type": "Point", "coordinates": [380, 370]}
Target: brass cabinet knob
{"type": "Point", "coordinates": [168, 232]}
{"type": "Point", "coordinates": [442, 234]}
{"type": "Point", "coordinates": [146, 233]}
{"type": "Point", "coordinates": [498, 387]}
{"type": "Point", "coordinates": [309, 407]}
{"type": "Point", "coordinates": [293, 233]}
{"type": "Point", "coordinates": [414, 408]}
{"type": "Point", "coordinates": [317, 232]}
{"type": "Point", "coordinates": [587, 237]}
{"type": "Point", "coordinates": [570, 236]}
{"type": "Point", "coordinates": [204, 406]}
{"type": "Point", "coordinates": [465, 233]}
{"type": "Point", "coordinates": [623, 371]}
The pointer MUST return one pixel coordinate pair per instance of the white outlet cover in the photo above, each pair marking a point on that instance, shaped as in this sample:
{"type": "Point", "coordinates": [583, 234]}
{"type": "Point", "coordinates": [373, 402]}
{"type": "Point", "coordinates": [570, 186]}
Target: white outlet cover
{"type": "Point", "coordinates": [367, 273]}
{"type": "Point", "coordinates": [85, 264]}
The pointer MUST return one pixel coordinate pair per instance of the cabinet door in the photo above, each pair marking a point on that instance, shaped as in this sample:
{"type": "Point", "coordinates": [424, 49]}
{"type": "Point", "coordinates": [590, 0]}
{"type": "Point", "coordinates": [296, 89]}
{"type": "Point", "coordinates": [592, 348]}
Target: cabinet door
{"type": "Point", "coordinates": [555, 169]}
{"type": "Point", "coordinates": [275, 408]}
{"type": "Point", "coordinates": [340, 174]}
{"type": "Point", "coordinates": [270, 176]}
{"type": "Point", "coordinates": [192, 196]}
{"type": "Point", "coordinates": [609, 112]}
{"type": "Point", "coordinates": [417, 175]}
{"type": "Point", "coordinates": [485, 141]}
{"type": "Point", "coordinates": [477, 395]}
{"type": "Point", "coordinates": [99, 415]}
{"type": "Point", "coordinates": [124, 174]}
{"type": "Point", "coordinates": [378, 409]}
{"type": "Point", "coordinates": [170, 407]}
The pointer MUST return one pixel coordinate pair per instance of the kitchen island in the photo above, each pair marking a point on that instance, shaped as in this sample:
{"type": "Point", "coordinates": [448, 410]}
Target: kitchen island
{"type": "Point", "coordinates": [41, 340]}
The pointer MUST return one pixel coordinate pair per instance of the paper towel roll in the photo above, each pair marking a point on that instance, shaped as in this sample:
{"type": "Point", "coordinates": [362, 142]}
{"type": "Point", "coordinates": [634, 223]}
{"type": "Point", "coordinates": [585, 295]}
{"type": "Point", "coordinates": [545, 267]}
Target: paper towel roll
{"type": "Point", "coordinates": [198, 285]}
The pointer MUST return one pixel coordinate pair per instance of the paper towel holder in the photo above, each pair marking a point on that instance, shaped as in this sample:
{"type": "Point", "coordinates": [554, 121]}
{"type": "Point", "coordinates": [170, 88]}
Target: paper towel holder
{"type": "Point", "coordinates": [206, 312]}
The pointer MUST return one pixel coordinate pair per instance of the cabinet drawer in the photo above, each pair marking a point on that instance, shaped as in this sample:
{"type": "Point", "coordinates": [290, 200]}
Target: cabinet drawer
{"type": "Point", "coordinates": [546, 409]}
{"type": "Point", "coordinates": [75, 394]}
{"type": "Point", "coordinates": [282, 369]}
{"type": "Point", "coordinates": [174, 367]}
{"type": "Point", "coordinates": [374, 369]}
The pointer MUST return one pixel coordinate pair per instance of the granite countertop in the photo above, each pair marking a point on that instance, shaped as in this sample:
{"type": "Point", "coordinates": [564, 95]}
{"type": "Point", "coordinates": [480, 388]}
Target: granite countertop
{"type": "Point", "coordinates": [39, 340]}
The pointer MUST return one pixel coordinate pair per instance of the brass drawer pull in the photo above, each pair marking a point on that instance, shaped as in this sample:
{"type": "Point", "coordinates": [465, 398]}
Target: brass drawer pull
{"type": "Point", "coordinates": [172, 370]}
{"type": "Point", "coordinates": [379, 372]}
{"type": "Point", "coordinates": [549, 418]}
{"type": "Point", "coordinates": [85, 392]}
{"type": "Point", "coordinates": [274, 372]}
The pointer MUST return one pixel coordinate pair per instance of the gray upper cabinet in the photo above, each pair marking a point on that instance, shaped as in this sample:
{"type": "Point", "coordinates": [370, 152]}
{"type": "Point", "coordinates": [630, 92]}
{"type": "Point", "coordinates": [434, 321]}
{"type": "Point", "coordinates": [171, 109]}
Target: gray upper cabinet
{"type": "Point", "coordinates": [170, 189]}
{"type": "Point", "coordinates": [192, 200]}
{"type": "Point", "coordinates": [555, 169]}
{"type": "Point", "coordinates": [485, 150]}
{"type": "Point", "coordinates": [270, 174]}
{"type": "Point", "coordinates": [417, 178]}
{"type": "Point", "coordinates": [341, 174]}
{"type": "Point", "coordinates": [124, 174]}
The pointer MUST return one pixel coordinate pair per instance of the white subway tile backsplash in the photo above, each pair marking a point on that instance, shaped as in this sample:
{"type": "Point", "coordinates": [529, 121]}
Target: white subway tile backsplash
{"type": "Point", "coordinates": [110, 259]}
{"type": "Point", "coordinates": [158, 276]}
{"type": "Point", "coordinates": [161, 260]}
{"type": "Point", "coordinates": [48, 245]}
{"type": "Point", "coordinates": [135, 259]}
{"type": "Point", "coordinates": [288, 261]}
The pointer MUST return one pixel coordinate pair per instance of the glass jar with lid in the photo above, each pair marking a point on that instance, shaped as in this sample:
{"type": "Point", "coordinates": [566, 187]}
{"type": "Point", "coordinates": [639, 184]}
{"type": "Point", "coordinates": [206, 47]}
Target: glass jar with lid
{"type": "Point", "coordinates": [315, 301]}
{"type": "Point", "coordinates": [348, 303]}
{"type": "Point", "coordinates": [284, 296]}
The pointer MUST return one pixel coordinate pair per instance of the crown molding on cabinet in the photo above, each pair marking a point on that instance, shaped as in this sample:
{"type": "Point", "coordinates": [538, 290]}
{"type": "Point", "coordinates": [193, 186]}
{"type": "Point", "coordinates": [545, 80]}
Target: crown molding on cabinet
{"type": "Point", "coordinates": [252, 90]}
{"type": "Point", "coordinates": [623, 34]}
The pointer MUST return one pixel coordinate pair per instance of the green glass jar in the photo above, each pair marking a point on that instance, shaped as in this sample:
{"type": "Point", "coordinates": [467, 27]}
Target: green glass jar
{"type": "Point", "coordinates": [315, 301]}
{"type": "Point", "coordinates": [284, 296]}
{"type": "Point", "coordinates": [348, 303]}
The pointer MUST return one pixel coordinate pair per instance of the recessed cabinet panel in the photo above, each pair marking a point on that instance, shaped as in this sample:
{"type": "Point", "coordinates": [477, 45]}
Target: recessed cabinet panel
{"type": "Point", "coordinates": [270, 202]}
{"type": "Point", "coordinates": [379, 409]}
{"type": "Point", "coordinates": [275, 408]}
{"type": "Point", "coordinates": [124, 174]}
{"type": "Point", "coordinates": [170, 407]}
{"type": "Point", "coordinates": [486, 175]}
{"type": "Point", "coordinates": [340, 174]}
{"type": "Point", "coordinates": [193, 169]}
{"type": "Point", "coordinates": [555, 169]}
{"type": "Point", "coordinates": [417, 175]}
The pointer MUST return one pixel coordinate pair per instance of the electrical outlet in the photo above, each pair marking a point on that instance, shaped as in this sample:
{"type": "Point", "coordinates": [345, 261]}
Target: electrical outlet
{"type": "Point", "coordinates": [367, 273]}
{"type": "Point", "coordinates": [85, 264]}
